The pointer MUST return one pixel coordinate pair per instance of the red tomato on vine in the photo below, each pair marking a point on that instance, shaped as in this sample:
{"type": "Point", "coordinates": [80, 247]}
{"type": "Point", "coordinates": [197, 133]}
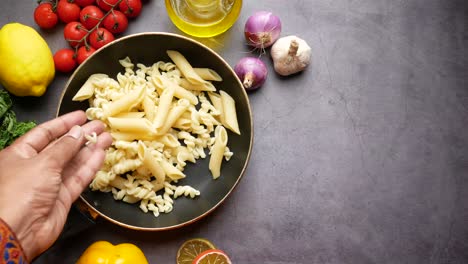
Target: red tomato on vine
{"type": "Point", "coordinates": [64, 60]}
{"type": "Point", "coordinates": [68, 12]}
{"type": "Point", "coordinates": [83, 53]}
{"type": "Point", "coordinates": [90, 16]}
{"type": "Point", "coordinates": [100, 37]}
{"type": "Point", "coordinates": [106, 5]}
{"type": "Point", "coordinates": [45, 16]}
{"type": "Point", "coordinates": [116, 22]}
{"type": "Point", "coordinates": [131, 8]}
{"type": "Point", "coordinates": [84, 3]}
{"type": "Point", "coordinates": [75, 33]}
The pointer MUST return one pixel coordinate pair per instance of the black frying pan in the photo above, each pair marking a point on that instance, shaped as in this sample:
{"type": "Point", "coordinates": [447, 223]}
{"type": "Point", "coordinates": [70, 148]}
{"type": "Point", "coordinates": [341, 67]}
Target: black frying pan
{"type": "Point", "coordinates": [148, 48]}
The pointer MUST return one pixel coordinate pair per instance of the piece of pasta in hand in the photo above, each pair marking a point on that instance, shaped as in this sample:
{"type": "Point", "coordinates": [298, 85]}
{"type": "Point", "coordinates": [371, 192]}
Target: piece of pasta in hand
{"type": "Point", "coordinates": [91, 139]}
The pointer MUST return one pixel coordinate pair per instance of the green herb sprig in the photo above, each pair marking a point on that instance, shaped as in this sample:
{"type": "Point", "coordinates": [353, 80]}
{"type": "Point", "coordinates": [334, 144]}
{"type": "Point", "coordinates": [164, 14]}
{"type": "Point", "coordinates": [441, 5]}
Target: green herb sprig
{"type": "Point", "coordinates": [10, 128]}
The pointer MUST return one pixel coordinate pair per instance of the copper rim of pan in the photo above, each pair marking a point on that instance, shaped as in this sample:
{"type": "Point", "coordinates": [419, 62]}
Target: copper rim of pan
{"type": "Point", "coordinates": [93, 210]}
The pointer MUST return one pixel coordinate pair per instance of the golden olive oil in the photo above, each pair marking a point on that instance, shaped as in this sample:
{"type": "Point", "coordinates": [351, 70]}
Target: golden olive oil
{"type": "Point", "coordinates": [203, 18]}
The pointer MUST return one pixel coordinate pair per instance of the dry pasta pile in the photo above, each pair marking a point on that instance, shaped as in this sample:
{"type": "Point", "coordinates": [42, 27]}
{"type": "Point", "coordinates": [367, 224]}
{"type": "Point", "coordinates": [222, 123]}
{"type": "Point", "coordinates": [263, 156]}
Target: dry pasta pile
{"type": "Point", "coordinates": [160, 117]}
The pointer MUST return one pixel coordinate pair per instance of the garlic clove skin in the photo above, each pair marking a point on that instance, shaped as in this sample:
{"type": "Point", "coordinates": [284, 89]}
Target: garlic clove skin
{"type": "Point", "coordinates": [290, 55]}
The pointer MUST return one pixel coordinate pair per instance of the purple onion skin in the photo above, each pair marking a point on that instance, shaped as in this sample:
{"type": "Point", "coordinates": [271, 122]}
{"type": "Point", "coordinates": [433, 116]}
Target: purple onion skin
{"type": "Point", "coordinates": [262, 29]}
{"type": "Point", "coordinates": [252, 72]}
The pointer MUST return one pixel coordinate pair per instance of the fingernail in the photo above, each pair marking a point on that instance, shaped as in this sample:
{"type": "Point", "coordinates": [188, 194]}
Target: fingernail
{"type": "Point", "coordinates": [75, 132]}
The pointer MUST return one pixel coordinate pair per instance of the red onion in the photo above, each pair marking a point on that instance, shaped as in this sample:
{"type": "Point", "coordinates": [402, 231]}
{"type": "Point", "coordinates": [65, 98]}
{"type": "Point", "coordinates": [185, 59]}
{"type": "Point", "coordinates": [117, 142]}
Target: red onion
{"type": "Point", "coordinates": [252, 72]}
{"type": "Point", "coordinates": [262, 29]}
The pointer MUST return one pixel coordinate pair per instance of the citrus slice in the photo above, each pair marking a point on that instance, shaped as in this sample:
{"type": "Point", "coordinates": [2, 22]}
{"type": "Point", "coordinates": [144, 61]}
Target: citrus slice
{"type": "Point", "coordinates": [191, 249]}
{"type": "Point", "coordinates": [212, 256]}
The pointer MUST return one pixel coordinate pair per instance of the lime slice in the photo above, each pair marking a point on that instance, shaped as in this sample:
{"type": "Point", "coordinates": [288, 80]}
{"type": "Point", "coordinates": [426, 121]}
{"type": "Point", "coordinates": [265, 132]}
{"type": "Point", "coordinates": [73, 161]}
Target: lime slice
{"type": "Point", "coordinates": [191, 249]}
{"type": "Point", "coordinates": [212, 256]}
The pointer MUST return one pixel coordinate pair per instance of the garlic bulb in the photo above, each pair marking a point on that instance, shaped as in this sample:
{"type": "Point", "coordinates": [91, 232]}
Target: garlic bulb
{"type": "Point", "coordinates": [290, 55]}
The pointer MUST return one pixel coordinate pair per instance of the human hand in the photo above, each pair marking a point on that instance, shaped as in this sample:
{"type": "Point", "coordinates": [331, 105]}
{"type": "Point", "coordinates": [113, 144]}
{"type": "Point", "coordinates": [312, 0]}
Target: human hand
{"type": "Point", "coordinates": [43, 172]}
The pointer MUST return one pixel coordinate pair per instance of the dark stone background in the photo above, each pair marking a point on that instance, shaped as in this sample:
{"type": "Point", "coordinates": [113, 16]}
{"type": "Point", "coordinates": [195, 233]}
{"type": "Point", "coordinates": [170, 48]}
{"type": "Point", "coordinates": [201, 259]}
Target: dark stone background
{"type": "Point", "coordinates": [363, 158]}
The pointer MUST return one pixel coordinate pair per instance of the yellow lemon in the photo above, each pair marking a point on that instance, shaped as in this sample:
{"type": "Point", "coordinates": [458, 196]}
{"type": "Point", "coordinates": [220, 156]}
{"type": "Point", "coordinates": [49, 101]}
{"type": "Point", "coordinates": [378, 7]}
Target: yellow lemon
{"type": "Point", "coordinates": [26, 62]}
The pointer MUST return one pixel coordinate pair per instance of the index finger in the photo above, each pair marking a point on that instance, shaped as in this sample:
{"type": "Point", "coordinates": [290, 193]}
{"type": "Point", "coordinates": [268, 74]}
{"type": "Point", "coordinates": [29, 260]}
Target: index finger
{"type": "Point", "coordinates": [39, 137]}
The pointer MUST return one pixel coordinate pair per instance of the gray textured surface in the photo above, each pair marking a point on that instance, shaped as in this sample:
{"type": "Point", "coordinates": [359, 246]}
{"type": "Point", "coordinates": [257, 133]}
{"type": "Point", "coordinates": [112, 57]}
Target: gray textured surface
{"type": "Point", "coordinates": [361, 159]}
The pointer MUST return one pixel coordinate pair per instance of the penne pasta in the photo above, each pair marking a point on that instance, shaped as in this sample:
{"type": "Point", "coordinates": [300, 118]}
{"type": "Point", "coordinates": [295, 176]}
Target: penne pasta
{"type": "Point", "coordinates": [130, 115]}
{"type": "Point", "coordinates": [205, 86]}
{"type": "Point", "coordinates": [218, 105]}
{"type": "Point", "coordinates": [229, 112]}
{"type": "Point", "coordinates": [116, 135]}
{"type": "Point", "coordinates": [134, 125]}
{"type": "Point", "coordinates": [181, 93]}
{"type": "Point", "coordinates": [125, 103]}
{"type": "Point", "coordinates": [217, 152]}
{"type": "Point", "coordinates": [184, 67]}
{"type": "Point", "coordinates": [149, 108]}
{"type": "Point", "coordinates": [87, 90]}
{"type": "Point", "coordinates": [164, 105]}
{"type": "Point", "coordinates": [208, 74]}
{"type": "Point", "coordinates": [151, 163]}
{"type": "Point", "coordinates": [171, 171]}
{"type": "Point", "coordinates": [173, 116]}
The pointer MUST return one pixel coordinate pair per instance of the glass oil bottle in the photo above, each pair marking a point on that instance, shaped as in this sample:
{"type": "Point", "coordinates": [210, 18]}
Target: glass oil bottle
{"type": "Point", "coordinates": [203, 18]}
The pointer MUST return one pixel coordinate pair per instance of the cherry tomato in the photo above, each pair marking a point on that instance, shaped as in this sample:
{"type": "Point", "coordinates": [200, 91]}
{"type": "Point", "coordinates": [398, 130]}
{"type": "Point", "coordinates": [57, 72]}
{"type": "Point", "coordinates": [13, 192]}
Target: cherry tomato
{"type": "Point", "coordinates": [90, 16]}
{"type": "Point", "coordinates": [75, 33]}
{"type": "Point", "coordinates": [84, 3]}
{"type": "Point", "coordinates": [100, 37]}
{"type": "Point", "coordinates": [116, 22]}
{"type": "Point", "coordinates": [64, 60]}
{"type": "Point", "coordinates": [131, 8]}
{"type": "Point", "coordinates": [83, 53]}
{"type": "Point", "coordinates": [106, 5]}
{"type": "Point", "coordinates": [45, 16]}
{"type": "Point", "coordinates": [68, 12]}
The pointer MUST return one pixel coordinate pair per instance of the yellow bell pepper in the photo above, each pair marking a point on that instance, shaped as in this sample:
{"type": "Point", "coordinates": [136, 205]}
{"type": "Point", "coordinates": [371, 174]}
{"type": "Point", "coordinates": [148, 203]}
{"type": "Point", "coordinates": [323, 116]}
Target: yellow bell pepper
{"type": "Point", "coordinates": [103, 252]}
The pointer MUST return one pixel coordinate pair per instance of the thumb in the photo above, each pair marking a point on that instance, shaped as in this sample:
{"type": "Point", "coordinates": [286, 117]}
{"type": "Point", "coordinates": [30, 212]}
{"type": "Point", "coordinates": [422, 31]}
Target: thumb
{"type": "Point", "coordinates": [65, 148]}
